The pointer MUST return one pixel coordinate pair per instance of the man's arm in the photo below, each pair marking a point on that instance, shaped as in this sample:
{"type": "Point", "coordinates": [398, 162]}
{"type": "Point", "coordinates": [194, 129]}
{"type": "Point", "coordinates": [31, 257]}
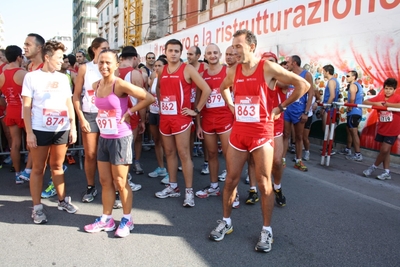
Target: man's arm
{"type": "Point", "coordinates": [225, 88]}
{"type": "Point", "coordinates": [332, 91]}
{"type": "Point", "coordinates": [193, 75]}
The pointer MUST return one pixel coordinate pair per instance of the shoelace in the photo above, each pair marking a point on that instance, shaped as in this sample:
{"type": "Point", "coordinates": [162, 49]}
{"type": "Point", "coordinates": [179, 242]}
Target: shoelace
{"type": "Point", "coordinates": [265, 236]}
{"type": "Point", "coordinates": [221, 226]}
{"type": "Point", "coordinates": [124, 221]}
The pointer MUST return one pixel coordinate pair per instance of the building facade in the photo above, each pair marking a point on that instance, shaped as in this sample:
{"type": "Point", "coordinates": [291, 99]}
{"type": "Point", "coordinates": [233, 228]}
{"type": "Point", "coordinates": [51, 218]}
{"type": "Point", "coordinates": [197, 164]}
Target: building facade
{"type": "Point", "coordinates": [2, 41]}
{"type": "Point", "coordinates": [85, 27]}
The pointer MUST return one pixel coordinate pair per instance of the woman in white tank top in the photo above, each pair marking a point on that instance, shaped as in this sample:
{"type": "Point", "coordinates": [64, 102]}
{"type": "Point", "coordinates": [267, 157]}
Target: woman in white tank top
{"type": "Point", "coordinates": [86, 112]}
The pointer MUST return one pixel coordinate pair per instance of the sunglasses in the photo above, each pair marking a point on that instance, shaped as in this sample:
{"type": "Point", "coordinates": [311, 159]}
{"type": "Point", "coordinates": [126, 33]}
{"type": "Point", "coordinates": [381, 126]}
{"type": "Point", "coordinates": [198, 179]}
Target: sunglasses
{"type": "Point", "coordinates": [151, 58]}
{"type": "Point", "coordinates": [348, 76]}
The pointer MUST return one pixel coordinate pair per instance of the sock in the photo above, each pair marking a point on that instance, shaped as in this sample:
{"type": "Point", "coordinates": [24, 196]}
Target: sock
{"type": "Point", "coordinates": [105, 217]}
{"type": "Point", "coordinates": [61, 201]}
{"type": "Point", "coordinates": [90, 186]}
{"type": "Point", "coordinates": [268, 228]}
{"type": "Point", "coordinates": [173, 185]}
{"type": "Point", "coordinates": [277, 186]}
{"type": "Point", "coordinates": [214, 185]}
{"type": "Point", "coordinates": [298, 160]}
{"type": "Point", "coordinates": [228, 220]}
{"type": "Point", "coordinates": [373, 166]}
{"type": "Point", "coordinates": [28, 171]}
{"type": "Point", "coordinates": [387, 171]}
{"type": "Point", "coordinates": [253, 188]}
{"type": "Point", "coordinates": [206, 162]}
{"type": "Point", "coordinates": [17, 174]}
{"type": "Point", "coordinates": [189, 190]}
{"type": "Point", "coordinates": [357, 153]}
{"type": "Point", "coordinates": [127, 216]}
{"type": "Point", "coordinates": [136, 161]}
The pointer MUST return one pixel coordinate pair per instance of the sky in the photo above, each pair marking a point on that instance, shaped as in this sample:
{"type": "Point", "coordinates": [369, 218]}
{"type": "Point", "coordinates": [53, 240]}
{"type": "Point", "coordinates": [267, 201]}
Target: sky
{"type": "Point", "coordinates": [45, 17]}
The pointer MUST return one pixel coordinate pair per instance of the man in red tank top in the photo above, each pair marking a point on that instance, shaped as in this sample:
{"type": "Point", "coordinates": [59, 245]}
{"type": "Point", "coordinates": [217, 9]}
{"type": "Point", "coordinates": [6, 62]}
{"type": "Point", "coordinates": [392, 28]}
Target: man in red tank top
{"type": "Point", "coordinates": [11, 86]}
{"type": "Point", "coordinates": [253, 128]}
{"type": "Point", "coordinates": [173, 92]}
{"type": "Point", "coordinates": [33, 51]}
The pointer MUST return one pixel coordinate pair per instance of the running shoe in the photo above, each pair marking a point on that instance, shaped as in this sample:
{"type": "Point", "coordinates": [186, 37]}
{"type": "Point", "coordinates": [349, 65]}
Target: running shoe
{"type": "Point", "coordinates": [189, 198]}
{"type": "Point", "coordinates": [50, 191]}
{"type": "Point", "coordinates": [355, 157]}
{"type": "Point", "coordinates": [300, 166]}
{"type": "Point", "coordinates": [165, 180]}
{"type": "Point", "coordinates": [91, 192]}
{"type": "Point", "coordinates": [38, 215]}
{"type": "Point", "coordinates": [200, 151]}
{"type": "Point", "coordinates": [236, 202]}
{"type": "Point", "coordinates": [168, 192]}
{"type": "Point", "coordinates": [195, 152]}
{"type": "Point", "coordinates": [369, 171]}
{"type": "Point", "coordinates": [280, 199]}
{"type": "Point", "coordinates": [7, 161]}
{"type": "Point", "coordinates": [70, 159]}
{"type": "Point", "coordinates": [125, 227]}
{"type": "Point", "coordinates": [17, 179]}
{"type": "Point", "coordinates": [264, 242]}
{"type": "Point", "coordinates": [138, 168]}
{"type": "Point", "coordinates": [180, 168]}
{"type": "Point", "coordinates": [24, 176]}
{"type": "Point", "coordinates": [253, 197]}
{"type": "Point", "coordinates": [345, 151]}
{"type": "Point", "coordinates": [117, 202]}
{"type": "Point", "coordinates": [12, 169]}
{"type": "Point", "coordinates": [384, 176]}
{"type": "Point", "coordinates": [306, 155]}
{"type": "Point", "coordinates": [205, 169]}
{"type": "Point", "coordinates": [158, 172]}
{"type": "Point", "coordinates": [99, 226]}
{"type": "Point", "coordinates": [67, 205]}
{"type": "Point", "coordinates": [208, 191]}
{"type": "Point", "coordinates": [134, 187]}
{"type": "Point", "coordinates": [222, 176]}
{"type": "Point", "coordinates": [219, 232]}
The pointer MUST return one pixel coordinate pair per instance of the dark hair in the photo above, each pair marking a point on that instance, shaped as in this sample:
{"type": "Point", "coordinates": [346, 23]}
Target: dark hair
{"type": "Point", "coordinates": [283, 63]}
{"type": "Point", "coordinates": [148, 53]}
{"type": "Point", "coordinates": [250, 37]}
{"type": "Point", "coordinates": [198, 51]}
{"type": "Point", "coordinates": [82, 51]}
{"type": "Point", "coordinates": [163, 60]}
{"type": "Point", "coordinates": [296, 58]}
{"type": "Point", "coordinates": [39, 40]}
{"type": "Point", "coordinates": [372, 92]}
{"type": "Point", "coordinates": [110, 51]}
{"type": "Point", "coordinates": [354, 73]}
{"type": "Point", "coordinates": [52, 46]}
{"type": "Point", "coordinates": [390, 82]}
{"type": "Point", "coordinates": [128, 52]}
{"type": "Point", "coordinates": [71, 59]}
{"type": "Point", "coordinates": [96, 43]}
{"type": "Point", "coordinates": [12, 52]}
{"type": "Point", "coordinates": [173, 42]}
{"type": "Point", "coordinates": [329, 69]}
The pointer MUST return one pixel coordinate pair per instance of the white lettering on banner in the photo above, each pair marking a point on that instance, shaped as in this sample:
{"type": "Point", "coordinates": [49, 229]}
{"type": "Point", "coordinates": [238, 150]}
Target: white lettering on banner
{"type": "Point", "coordinates": [107, 121]}
{"type": "Point", "coordinates": [247, 108]}
{"type": "Point", "coordinates": [168, 105]}
{"type": "Point", "coordinates": [385, 116]}
{"type": "Point", "coordinates": [215, 99]}
{"type": "Point", "coordinates": [54, 119]}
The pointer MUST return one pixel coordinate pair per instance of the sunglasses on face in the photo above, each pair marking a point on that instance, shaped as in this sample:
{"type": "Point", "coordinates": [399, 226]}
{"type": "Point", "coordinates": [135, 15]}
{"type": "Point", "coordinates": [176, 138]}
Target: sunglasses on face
{"type": "Point", "coordinates": [151, 58]}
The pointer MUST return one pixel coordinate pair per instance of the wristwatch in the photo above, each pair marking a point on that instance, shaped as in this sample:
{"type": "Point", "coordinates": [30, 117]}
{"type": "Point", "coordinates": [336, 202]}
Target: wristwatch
{"type": "Point", "coordinates": [197, 111]}
{"type": "Point", "coordinates": [282, 109]}
{"type": "Point", "coordinates": [305, 112]}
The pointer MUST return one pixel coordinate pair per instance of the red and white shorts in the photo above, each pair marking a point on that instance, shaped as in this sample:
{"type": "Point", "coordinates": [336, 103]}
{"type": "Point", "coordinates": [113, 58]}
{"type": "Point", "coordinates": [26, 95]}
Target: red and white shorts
{"type": "Point", "coordinates": [248, 143]}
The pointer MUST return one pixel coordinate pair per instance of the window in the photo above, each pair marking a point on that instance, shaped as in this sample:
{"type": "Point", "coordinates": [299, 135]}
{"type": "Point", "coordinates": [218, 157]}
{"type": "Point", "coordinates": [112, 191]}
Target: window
{"type": "Point", "coordinates": [203, 5]}
{"type": "Point", "coordinates": [182, 9]}
{"type": "Point", "coordinates": [116, 34]}
{"type": "Point", "coordinates": [108, 11]}
{"type": "Point", "coordinates": [115, 3]}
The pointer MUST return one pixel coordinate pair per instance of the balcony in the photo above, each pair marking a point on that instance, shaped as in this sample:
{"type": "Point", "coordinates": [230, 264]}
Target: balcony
{"type": "Point", "coordinates": [234, 5]}
{"type": "Point", "coordinates": [115, 12]}
{"type": "Point", "coordinates": [218, 9]}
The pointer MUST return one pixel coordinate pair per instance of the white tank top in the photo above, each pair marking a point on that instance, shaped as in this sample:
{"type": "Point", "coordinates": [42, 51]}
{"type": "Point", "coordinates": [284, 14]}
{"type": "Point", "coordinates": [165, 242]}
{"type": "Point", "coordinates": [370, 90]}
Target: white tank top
{"type": "Point", "coordinates": [92, 75]}
{"type": "Point", "coordinates": [154, 107]}
{"type": "Point", "coordinates": [134, 100]}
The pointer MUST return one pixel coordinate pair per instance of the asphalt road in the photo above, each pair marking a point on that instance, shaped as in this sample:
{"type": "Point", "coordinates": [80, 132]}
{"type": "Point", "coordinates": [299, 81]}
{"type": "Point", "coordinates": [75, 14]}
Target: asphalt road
{"type": "Point", "coordinates": [333, 217]}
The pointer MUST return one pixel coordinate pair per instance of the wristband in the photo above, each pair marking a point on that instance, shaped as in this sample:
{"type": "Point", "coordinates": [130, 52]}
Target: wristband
{"type": "Point", "coordinates": [282, 109]}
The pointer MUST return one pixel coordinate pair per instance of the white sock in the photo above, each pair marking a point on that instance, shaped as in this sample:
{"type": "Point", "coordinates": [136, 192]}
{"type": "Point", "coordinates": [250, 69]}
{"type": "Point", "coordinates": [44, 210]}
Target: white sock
{"type": "Point", "coordinates": [105, 217]}
{"type": "Point", "coordinates": [373, 166]}
{"type": "Point", "coordinates": [253, 188]}
{"type": "Point", "coordinates": [387, 171]}
{"type": "Point", "coordinates": [214, 185]}
{"type": "Point", "coordinates": [28, 171]}
{"type": "Point", "coordinates": [173, 185]}
{"type": "Point", "coordinates": [227, 220]}
{"type": "Point", "coordinates": [268, 228]}
{"type": "Point", "coordinates": [277, 186]}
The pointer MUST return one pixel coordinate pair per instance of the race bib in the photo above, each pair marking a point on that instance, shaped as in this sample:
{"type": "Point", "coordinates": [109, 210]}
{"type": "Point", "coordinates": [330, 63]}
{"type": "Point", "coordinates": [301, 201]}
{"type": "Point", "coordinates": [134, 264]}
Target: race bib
{"type": "Point", "coordinates": [90, 94]}
{"type": "Point", "coordinates": [107, 121]}
{"type": "Point", "coordinates": [215, 99]}
{"type": "Point", "coordinates": [154, 106]}
{"type": "Point", "coordinates": [386, 116]}
{"type": "Point", "coordinates": [247, 108]}
{"type": "Point", "coordinates": [54, 119]}
{"type": "Point", "coordinates": [193, 95]}
{"type": "Point", "coordinates": [168, 105]}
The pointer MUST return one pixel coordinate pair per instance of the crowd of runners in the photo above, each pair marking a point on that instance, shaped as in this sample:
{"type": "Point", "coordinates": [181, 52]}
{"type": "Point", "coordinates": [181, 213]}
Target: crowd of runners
{"type": "Point", "coordinates": [252, 109]}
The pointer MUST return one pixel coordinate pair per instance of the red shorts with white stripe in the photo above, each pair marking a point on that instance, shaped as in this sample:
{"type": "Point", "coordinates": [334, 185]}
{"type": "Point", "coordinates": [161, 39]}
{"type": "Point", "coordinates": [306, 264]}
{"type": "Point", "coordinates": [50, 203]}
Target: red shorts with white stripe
{"type": "Point", "coordinates": [247, 143]}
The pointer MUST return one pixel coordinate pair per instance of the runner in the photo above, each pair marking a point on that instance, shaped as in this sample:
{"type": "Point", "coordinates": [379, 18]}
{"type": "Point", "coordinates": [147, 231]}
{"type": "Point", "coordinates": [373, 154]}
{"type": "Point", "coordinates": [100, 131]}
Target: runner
{"type": "Point", "coordinates": [173, 91]}
{"type": "Point", "coordinates": [252, 130]}
{"type": "Point", "coordinates": [50, 126]}
{"type": "Point", "coordinates": [11, 86]}
{"type": "Point", "coordinates": [115, 143]}
{"type": "Point", "coordinates": [216, 119]}
{"type": "Point", "coordinates": [86, 111]}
